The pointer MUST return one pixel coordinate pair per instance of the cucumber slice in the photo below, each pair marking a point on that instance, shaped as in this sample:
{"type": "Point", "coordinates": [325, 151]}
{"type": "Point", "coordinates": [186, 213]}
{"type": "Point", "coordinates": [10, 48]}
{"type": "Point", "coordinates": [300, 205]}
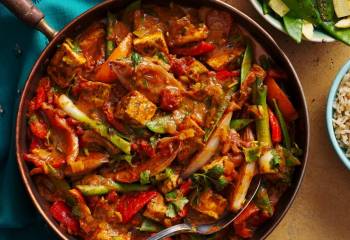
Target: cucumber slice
{"type": "Point", "coordinates": [279, 7]}
{"type": "Point", "coordinates": [342, 8]}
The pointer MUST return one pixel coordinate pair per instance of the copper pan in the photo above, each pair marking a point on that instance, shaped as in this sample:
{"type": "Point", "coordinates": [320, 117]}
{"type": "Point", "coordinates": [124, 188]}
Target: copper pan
{"type": "Point", "coordinates": [27, 12]}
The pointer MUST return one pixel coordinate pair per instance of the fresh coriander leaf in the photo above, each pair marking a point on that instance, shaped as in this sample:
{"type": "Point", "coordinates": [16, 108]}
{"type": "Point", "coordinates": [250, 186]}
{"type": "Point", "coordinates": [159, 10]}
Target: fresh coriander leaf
{"type": "Point", "coordinates": [221, 183]}
{"type": "Point", "coordinates": [169, 172]}
{"type": "Point", "coordinates": [170, 196]}
{"type": "Point", "coordinates": [162, 57]}
{"type": "Point", "coordinates": [252, 154]}
{"type": "Point", "coordinates": [296, 151]}
{"type": "Point", "coordinates": [136, 59]}
{"type": "Point", "coordinates": [262, 200]}
{"type": "Point", "coordinates": [145, 177]}
{"type": "Point", "coordinates": [216, 171]}
{"type": "Point", "coordinates": [180, 203]}
{"type": "Point", "coordinates": [291, 160]}
{"type": "Point", "coordinates": [171, 213]}
{"type": "Point", "coordinates": [276, 159]}
{"type": "Point", "coordinates": [153, 140]}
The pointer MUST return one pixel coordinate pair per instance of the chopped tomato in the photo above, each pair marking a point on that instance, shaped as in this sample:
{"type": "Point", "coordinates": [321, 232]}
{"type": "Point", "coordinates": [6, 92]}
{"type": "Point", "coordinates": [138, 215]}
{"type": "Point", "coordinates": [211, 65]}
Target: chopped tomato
{"type": "Point", "coordinates": [41, 94]}
{"type": "Point", "coordinates": [38, 127]}
{"type": "Point", "coordinates": [170, 99]}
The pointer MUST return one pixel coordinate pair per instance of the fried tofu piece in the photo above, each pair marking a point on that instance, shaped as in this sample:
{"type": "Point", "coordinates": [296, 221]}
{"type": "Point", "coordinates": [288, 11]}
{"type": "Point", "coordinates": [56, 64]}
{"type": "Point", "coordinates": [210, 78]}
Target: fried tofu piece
{"type": "Point", "coordinates": [151, 43]}
{"type": "Point", "coordinates": [64, 63]}
{"type": "Point", "coordinates": [135, 108]}
{"type": "Point", "coordinates": [156, 209]}
{"type": "Point", "coordinates": [211, 204]}
{"type": "Point", "coordinates": [221, 57]}
{"type": "Point", "coordinates": [189, 123]}
{"type": "Point", "coordinates": [182, 31]}
{"type": "Point", "coordinates": [196, 68]}
{"type": "Point", "coordinates": [170, 184]}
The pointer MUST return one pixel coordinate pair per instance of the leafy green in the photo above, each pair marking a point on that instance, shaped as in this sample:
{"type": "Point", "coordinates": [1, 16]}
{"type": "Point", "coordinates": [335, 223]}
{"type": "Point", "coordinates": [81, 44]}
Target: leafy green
{"type": "Point", "coordinates": [276, 159]}
{"type": "Point", "coordinates": [293, 27]}
{"type": "Point", "coordinates": [221, 183]}
{"type": "Point", "coordinates": [145, 177]}
{"type": "Point", "coordinates": [215, 172]}
{"type": "Point", "coordinates": [246, 62]}
{"type": "Point", "coordinates": [136, 58]}
{"type": "Point", "coordinates": [291, 160]}
{"type": "Point", "coordinates": [162, 57]}
{"type": "Point", "coordinates": [339, 34]}
{"type": "Point", "coordinates": [220, 111]}
{"type": "Point", "coordinates": [262, 200]}
{"type": "Point", "coordinates": [180, 203]}
{"type": "Point", "coordinates": [252, 154]}
{"type": "Point", "coordinates": [176, 198]}
{"type": "Point", "coordinates": [304, 9]}
{"type": "Point", "coordinates": [171, 212]}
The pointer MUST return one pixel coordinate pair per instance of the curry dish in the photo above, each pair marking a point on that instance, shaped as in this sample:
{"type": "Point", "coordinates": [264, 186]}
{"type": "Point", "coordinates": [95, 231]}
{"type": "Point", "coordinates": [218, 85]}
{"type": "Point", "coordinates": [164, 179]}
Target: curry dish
{"type": "Point", "coordinates": [155, 115]}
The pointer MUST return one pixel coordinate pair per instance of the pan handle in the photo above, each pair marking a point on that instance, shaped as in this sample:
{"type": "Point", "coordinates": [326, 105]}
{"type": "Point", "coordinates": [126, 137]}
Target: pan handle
{"type": "Point", "coordinates": [26, 11]}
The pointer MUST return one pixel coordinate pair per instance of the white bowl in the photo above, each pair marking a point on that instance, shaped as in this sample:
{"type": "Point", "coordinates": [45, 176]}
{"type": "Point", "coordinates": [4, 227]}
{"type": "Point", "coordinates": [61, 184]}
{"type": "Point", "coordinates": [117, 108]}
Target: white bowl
{"type": "Point", "coordinates": [318, 36]}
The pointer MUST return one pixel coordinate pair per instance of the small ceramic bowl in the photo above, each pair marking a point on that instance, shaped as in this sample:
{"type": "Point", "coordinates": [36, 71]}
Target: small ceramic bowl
{"type": "Point", "coordinates": [329, 114]}
{"type": "Point", "coordinates": [318, 36]}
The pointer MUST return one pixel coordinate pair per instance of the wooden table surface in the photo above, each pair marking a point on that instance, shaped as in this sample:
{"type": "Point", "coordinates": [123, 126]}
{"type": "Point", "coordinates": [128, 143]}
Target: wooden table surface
{"type": "Point", "coordinates": [321, 209]}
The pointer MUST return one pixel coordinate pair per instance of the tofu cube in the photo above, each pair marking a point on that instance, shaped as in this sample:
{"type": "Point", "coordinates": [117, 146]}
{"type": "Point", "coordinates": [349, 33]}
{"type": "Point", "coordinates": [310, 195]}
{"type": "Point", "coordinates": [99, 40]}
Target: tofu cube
{"type": "Point", "coordinates": [220, 58]}
{"type": "Point", "coordinates": [151, 43]}
{"type": "Point", "coordinates": [196, 69]}
{"type": "Point", "coordinates": [156, 209]}
{"type": "Point", "coordinates": [135, 108]}
{"type": "Point", "coordinates": [211, 204]}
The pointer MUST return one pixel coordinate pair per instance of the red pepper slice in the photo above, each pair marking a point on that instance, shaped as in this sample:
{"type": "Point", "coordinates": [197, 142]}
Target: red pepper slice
{"type": "Point", "coordinates": [240, 224]}
{"type": "Point", "coordinates": [243, 231]}
{"type": "Point", "coordinates": [196, 50]}
{"type": "Point", "coordinates": [276, 133]}
{"type": "Point", "coordinates": [224, 74]}
{"type": "Point", "coordinates": [185, 187]}
{"type": "Point", "coordinates": [62, 213]}
{"type": "Point", "coordinates": [247, 213]}
{"type": "Point", "coordinates": [129, 204]}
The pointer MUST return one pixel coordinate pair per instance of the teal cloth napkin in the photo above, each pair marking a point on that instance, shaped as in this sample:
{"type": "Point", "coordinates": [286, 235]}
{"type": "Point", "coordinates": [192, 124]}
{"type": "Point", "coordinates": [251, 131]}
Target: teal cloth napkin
{"type": "Point", "coordinates": [20, 46]}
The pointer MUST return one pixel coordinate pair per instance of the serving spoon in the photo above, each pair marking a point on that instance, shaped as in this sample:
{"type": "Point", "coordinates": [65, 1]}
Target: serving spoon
{"type": "Point", "coordinates": [207, 229]}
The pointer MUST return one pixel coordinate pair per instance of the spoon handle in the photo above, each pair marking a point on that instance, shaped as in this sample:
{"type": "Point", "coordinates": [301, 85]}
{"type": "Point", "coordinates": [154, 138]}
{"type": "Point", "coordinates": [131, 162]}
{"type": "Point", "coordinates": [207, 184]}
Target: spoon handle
{"type": "Point", "coordinates": [171, 231]}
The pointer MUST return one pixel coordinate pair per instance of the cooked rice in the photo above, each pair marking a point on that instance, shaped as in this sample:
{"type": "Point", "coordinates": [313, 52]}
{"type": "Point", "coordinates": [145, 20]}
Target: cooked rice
{"type": "Point", "coordinates": [341, 114]}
